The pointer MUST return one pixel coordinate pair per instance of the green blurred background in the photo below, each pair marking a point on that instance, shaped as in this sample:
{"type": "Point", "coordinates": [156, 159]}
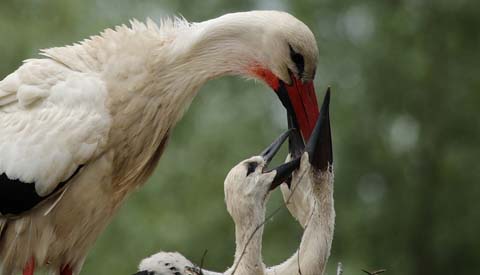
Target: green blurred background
{"type": "Point", "coordinates": [405, 86]}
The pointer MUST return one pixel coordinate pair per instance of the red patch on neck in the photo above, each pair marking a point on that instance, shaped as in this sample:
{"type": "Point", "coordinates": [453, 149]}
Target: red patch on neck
{"type": "Point", "coordinates": [266, 75]}
{"type": "Point", "coordinates": [29, 268]}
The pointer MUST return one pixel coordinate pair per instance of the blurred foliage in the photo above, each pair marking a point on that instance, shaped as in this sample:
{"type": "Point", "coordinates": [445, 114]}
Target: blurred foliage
{"type": "Point", "coordinates": [406, 137]}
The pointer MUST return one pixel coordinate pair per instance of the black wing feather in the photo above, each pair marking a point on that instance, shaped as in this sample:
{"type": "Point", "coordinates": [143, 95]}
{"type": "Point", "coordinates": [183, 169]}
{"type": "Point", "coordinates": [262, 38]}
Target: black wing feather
{"type": "Point", "coordinates": [17, 197]}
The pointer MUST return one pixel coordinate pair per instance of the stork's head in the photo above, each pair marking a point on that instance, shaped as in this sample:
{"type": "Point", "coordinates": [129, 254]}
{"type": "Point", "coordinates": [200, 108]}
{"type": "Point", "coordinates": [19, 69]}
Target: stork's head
{"type": "Point", "coordinates": [274, 47]}
{"type": "Point", "coordinates": [286, 61]}
{"type": "Point", "coordinates": [289, 69]}
{"type": "Point", "coordinates": [248, 183]}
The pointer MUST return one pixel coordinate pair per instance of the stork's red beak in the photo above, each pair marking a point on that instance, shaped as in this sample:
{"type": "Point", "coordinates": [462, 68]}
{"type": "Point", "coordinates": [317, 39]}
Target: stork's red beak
{"type": "Point", "coordinates": [301, 103]}
{"type": "Point", "coordinates": [298, 98]}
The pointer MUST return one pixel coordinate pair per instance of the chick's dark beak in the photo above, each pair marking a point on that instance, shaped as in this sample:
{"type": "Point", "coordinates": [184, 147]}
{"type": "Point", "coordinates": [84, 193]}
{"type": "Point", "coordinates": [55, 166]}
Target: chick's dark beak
{"type": "Point", "coordinates": [319, 147]}
{"type": "Point", "coordinates": [273, 148]}
{"type": "Point", "coordinates": [284, 170]}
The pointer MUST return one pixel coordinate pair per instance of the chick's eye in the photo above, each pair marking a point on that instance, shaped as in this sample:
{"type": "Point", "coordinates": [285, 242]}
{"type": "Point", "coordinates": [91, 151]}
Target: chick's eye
{"type": "Point", "coordinates": [251, 166]}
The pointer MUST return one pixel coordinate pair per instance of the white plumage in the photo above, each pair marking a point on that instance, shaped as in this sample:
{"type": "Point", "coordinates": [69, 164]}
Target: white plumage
{"type": "Point", "coordinates": [170, 263]}
{"type": "Point", "coordinates": [96, 116]}
{"type": "Point", "coordinates": [55, 121]}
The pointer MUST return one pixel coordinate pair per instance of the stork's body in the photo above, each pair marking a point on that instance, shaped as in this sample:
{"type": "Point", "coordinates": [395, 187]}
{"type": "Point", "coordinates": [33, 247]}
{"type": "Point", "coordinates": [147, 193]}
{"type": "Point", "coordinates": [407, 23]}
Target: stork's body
{"type": "Point", "coordinates": [86, 125]}
{"type": "Point", "coordinates": [81, 108]}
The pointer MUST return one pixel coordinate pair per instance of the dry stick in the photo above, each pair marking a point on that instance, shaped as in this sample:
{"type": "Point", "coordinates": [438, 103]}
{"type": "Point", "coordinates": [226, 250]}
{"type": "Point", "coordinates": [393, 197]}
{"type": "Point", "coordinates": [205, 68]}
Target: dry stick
{"type": "Point", "coordinates": [264, 222]}
{"type": "Point", "coordinates": [202, 260]}
{"type": "Point", "coordinates": [374, 272]}
{"type": "Point", "coordinates": [195, 269]}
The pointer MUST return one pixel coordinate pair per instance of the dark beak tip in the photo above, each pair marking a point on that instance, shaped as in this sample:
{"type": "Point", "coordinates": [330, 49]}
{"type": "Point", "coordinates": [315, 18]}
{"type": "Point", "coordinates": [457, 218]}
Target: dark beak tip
{"type": "Point", "coordinates": [269, 153]}
{"type": "Point", "coordinates": [319, 147]}
{"type": "Point", "coordinates": [284, 172]}
{"type": "Point", "coordinates": [326, 101]}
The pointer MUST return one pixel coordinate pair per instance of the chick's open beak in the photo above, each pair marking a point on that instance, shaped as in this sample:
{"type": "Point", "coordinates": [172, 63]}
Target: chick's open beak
{"type": "Point", "coordinates": [273, 148]}
{"type": "Point", "coordinates": [284, 170]}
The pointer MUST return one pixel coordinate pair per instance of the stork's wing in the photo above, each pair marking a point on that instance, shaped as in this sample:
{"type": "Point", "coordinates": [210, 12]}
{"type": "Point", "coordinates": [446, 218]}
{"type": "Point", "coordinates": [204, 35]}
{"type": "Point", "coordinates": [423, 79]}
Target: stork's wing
{"type": "Point", "coordinates": [52, 121]}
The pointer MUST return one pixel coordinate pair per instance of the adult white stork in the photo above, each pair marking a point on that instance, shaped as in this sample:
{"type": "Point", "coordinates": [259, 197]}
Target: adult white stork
{"type": "Point", "coordinates": [309, 198]}
{"type": "Point", "coordinates": [85, 125]}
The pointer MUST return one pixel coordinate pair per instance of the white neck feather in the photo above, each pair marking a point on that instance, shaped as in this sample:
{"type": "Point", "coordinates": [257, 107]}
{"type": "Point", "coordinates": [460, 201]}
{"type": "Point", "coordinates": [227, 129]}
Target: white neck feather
{"type": "Point", "coordinates": [248, 251]}
{"type": "Point", "coordinates": [318, 220]}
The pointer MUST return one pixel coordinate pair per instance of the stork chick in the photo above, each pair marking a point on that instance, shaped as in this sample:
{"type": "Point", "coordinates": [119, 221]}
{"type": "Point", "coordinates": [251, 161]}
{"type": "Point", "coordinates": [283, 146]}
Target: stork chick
{"type": "Point", "coordinates": [247, 187]}
{"type": "Point", "coordinates": [85, 125]}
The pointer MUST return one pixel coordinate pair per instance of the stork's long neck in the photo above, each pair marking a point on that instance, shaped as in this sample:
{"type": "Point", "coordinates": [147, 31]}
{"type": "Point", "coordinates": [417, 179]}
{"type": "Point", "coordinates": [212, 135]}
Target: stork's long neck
{"type": "Point", "coordinates": [152, 77]}
{"type": "Point", "coordinates": [211, 49]}
{"type": "Point", "coordinates": [248, 251]}
{"type": "Point", "coordinates": [318, 235]}
{"type": "Point", "coordinates": [314, 250]}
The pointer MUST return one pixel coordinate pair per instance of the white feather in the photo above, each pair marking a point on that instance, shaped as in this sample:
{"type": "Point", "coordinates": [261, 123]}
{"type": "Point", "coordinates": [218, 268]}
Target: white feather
{"type": "Point", "coordinates": [60, 122]}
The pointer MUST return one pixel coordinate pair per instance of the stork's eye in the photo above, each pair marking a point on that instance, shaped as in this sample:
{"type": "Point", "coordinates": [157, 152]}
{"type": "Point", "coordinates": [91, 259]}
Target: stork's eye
{"type": "Point", "coordinates": [298, 60]}
{"type": "Point", "coordinates": [251, 166]}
